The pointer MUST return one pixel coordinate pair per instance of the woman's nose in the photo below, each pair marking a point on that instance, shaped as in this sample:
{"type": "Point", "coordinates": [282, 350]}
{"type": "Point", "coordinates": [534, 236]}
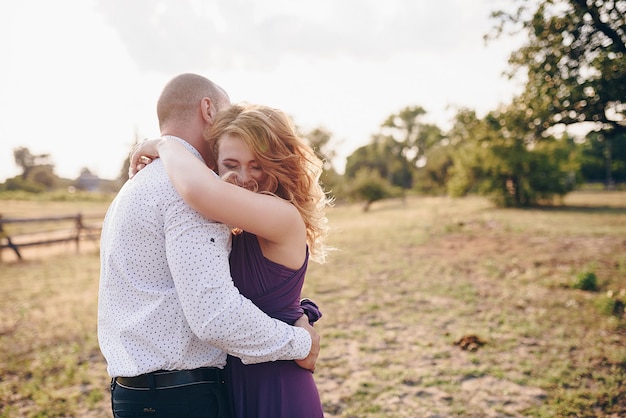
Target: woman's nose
{"type": "Point", "coordinates": [248, 181]}
{"type": "Point", "coordinates": [244, 175]}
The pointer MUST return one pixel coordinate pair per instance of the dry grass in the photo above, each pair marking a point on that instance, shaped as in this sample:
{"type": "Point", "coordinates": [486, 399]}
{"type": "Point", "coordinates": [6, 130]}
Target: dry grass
{"type": "Point", "coordinates": [409, 280]}
{"type": "Point", "coordinates": [51, 364]}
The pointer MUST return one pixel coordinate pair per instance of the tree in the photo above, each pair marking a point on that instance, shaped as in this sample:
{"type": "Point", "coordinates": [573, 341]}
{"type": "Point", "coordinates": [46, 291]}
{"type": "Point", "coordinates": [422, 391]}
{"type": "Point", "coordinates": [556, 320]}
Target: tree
{"type": "Point", "coordinates": [411, 140]}
{"type": "Point", "coordinates": [396, 152]}
{"type": "Point", "coordinates": [575, 60]}
{"type": "Point", "coordinates": [432, 179]}
{"type": "Point", "coordinates": [465, 138]}
{"type": "Point", "coordinates": [18, 183]}
{"type": "Point", "coordinates": [27, 161]}
{"type": "Point", "coordinates": [604, 158]}
{"type": "Point", "coordinates": [369, 187]}
{"type": "Point", "coordinates": [374, 156]}
{"type": "Point", "coordinates": [447, 151]}
{"type": "Point", "coordinates": [44, 175]}
{"type": "Point", "coordinates": [321, 141]}
{"type": "Point", "coordinates": [498, 157]}
{"type": "Point", "coordinates": [404, 128]}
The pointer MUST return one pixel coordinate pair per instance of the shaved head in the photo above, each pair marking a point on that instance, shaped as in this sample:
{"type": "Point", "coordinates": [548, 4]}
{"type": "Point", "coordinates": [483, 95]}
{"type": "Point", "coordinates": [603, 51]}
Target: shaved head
{"type": "Point", "coordinates": [179, 101]}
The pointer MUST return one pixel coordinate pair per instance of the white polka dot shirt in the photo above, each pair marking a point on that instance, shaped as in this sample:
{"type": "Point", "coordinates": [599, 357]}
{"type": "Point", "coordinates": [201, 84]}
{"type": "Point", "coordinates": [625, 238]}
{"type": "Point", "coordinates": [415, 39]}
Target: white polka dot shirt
{"type": "Point", "coordinates": [166, 298]}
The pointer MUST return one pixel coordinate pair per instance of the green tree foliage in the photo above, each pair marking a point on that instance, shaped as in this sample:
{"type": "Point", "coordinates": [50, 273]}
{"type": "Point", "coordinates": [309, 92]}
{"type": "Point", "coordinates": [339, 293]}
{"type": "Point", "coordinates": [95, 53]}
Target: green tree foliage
{"type": "Point", "coordinates": [468, 155]}
{"type": "Point", "coordinates": [375, 157]}
{"type": "Point", "coordinates": [445, 157]}
{"type": "Point", "coordinates": [498, 157]}
{"type": "Point", "coordinates": [413, 136]}
{"type": "Point", "coordinates": [18, 183]}
{"type": "Point", "coordinates": [604, 158]}
{"type": "Point", "coordinates": [369, 187]}
{"type": "Point", "coordinates": [575, 61]}
{"type": "Point", "coordinates": [433, 177]}
{"type": "Point", "coordinates": [396, 152]}
{"type": "Point", "coordinates": [44, 175]}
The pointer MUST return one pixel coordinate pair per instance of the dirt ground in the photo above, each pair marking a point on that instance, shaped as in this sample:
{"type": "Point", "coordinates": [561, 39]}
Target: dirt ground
{"type": "Point", "coordinates": [425, 354]}
{"type": "Point", "coordinates": [398, 345]}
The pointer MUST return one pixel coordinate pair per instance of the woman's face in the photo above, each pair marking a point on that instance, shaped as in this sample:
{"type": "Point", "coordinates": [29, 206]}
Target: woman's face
{"type": "Point", "coordinates": [236, 157]}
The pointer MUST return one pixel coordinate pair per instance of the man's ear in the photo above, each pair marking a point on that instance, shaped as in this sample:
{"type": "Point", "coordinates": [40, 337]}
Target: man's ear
{"type": "Point", "coordinates": [207, 109]}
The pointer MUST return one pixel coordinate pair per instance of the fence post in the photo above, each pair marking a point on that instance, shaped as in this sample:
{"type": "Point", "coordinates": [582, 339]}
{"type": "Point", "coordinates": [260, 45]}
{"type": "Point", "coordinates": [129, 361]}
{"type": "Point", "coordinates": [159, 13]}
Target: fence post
{"type": "Point", "coordinates": [3, 234]}
{"type": "Point", "coordinates": [79, 228]}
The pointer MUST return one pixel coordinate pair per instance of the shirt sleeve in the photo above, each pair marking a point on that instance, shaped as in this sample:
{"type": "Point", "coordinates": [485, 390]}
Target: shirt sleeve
{"type": "Point", "coordinates": [197, 254]}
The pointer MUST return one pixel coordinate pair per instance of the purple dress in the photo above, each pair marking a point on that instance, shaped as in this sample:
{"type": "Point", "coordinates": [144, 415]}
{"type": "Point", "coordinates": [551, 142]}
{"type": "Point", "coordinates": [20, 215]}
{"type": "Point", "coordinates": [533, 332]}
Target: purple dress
{"type": "Point", "coordinates": [280, 388]}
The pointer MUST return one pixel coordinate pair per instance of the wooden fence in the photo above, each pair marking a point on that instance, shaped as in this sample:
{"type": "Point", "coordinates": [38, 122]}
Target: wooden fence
{"type": "Point", "coordinates": [29, 232]}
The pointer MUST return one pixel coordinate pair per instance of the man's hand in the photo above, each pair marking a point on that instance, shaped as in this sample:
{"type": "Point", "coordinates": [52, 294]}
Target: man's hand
{"type": "Point", "coordinates": [309, 361]}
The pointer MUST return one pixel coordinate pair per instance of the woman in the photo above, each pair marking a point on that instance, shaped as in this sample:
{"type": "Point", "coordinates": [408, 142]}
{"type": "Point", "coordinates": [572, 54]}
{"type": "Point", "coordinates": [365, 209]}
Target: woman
{"type": "Point", "coordinates": [276, 229]}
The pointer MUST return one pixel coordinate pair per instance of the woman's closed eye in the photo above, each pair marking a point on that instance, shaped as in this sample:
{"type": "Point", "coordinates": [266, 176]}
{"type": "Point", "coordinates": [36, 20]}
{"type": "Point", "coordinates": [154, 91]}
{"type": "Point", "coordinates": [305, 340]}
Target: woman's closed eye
{"type": "Point", "coordinates": [231, 166]}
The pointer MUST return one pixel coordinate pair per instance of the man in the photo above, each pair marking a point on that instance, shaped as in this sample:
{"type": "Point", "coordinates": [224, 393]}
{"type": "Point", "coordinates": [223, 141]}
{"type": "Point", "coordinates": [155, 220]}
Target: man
{"type": "Point", "coordinates": [168, 310]}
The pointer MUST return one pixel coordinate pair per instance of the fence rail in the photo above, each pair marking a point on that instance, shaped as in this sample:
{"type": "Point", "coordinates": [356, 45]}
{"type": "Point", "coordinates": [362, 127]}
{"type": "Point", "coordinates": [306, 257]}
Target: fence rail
{"type": "Point", "coordinates": [29, 232]}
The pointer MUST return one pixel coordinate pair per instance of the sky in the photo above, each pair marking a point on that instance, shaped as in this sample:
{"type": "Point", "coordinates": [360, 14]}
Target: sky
{"type": "Point", "coordinates": [79, 79]}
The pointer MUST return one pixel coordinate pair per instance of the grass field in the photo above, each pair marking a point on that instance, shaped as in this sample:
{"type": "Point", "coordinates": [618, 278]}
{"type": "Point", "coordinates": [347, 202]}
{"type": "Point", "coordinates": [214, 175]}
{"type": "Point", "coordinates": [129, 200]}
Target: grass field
{"type": "Point", "coordinates": [540, 292]}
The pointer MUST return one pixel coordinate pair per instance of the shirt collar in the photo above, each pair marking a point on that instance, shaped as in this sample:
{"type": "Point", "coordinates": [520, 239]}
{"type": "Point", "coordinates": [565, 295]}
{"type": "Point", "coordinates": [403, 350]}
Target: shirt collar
{"type": "Point", "coordinates": [187, 145]}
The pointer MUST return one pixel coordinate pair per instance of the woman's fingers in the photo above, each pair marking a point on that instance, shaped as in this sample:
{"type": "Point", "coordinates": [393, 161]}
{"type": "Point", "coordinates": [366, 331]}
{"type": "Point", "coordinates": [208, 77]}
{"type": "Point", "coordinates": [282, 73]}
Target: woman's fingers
{"type": "Point", "coordinates": [138, 160]}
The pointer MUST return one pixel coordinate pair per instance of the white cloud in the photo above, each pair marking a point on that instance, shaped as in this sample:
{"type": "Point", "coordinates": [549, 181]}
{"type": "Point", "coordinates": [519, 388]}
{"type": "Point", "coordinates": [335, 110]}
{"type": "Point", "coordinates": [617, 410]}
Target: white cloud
{"type": "Point", "coordinates": [226, 34]}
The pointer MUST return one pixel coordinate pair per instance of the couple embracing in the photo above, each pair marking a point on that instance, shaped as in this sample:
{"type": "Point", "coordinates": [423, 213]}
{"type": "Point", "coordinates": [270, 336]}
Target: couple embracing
{"type": "Point", "coordinates": [204, 252]}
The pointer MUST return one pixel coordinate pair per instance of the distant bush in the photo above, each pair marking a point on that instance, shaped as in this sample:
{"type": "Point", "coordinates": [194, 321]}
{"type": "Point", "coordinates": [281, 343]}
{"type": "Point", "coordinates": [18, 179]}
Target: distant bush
{"type": "Point", "coordinates": [369, 187]}
{"type": "Point", "coordinates": [586, 281]}
{"type": "Point", "coordinates": [613, 303]}
{"type": "Point", "coordinates": [18, 184]}
{"type": "Point", "coordinates": [56, 196]}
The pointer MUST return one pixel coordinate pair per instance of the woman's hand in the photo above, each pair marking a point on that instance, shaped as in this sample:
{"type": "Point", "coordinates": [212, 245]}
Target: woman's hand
{"type": "Point", "coordinates": [142, 155]}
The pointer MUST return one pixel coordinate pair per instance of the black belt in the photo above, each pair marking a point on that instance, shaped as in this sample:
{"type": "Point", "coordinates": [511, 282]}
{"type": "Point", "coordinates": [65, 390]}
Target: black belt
{"type": "Point", "coordinates": [167, 379]}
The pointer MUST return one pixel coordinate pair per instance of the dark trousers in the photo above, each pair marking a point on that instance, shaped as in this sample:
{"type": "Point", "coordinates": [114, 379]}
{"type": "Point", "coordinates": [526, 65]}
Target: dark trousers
{"type": "Point", "coordinates": [202, 400]}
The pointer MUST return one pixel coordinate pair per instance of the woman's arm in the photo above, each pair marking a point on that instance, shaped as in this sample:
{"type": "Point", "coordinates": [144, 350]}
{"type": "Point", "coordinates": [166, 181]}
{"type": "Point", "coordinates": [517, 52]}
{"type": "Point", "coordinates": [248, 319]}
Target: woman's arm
{"type": "Point", "coordinates": [264, 215]}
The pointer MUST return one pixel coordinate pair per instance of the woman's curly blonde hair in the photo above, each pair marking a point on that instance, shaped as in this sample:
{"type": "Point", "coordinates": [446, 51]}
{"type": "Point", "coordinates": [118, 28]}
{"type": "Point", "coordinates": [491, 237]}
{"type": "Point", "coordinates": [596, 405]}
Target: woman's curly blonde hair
{"type": "Point", "coordinates": [292, 168]}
